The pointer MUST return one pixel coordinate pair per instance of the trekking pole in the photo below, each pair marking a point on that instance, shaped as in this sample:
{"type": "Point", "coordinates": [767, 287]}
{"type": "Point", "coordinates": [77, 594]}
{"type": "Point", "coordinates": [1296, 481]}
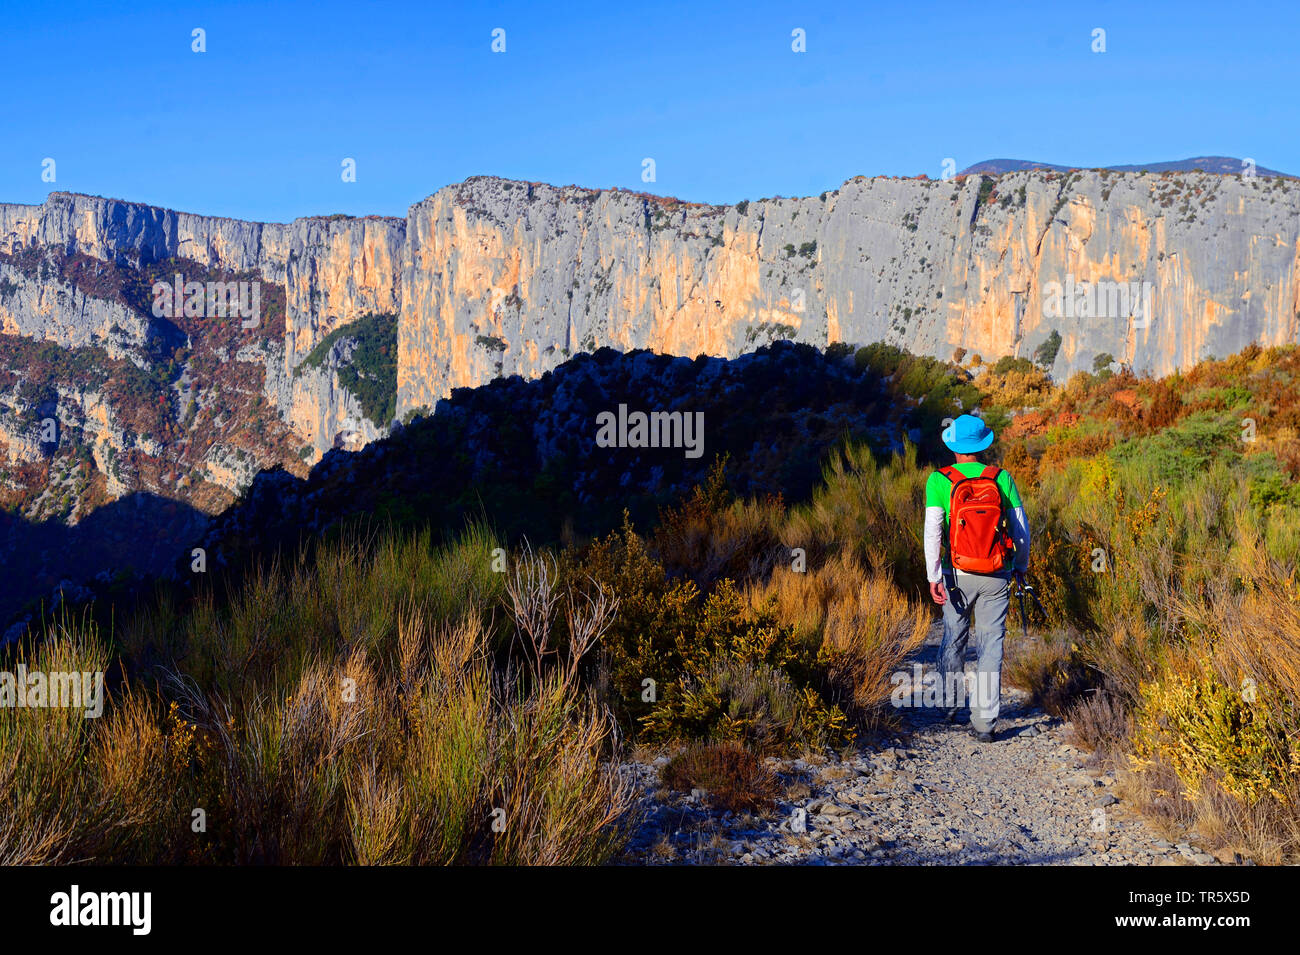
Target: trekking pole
{"type": "Point", "coordinates": [1038, 604]}
{"type": "Point", "coordinates": [1024, 616]}
{"type": "Point", "coordinates": [1028, 588]}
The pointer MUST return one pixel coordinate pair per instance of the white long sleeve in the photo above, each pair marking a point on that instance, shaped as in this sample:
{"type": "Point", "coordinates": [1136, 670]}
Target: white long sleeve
{"type": "Point", "coordinates": [1020, 536]}
{"type": "Point", "coordinates": [933, 538]}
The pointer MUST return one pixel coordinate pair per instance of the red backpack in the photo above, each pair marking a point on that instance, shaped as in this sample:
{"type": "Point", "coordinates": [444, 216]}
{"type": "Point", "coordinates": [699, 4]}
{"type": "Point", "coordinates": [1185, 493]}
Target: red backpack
{"type": "Point", "coordinates": [978, 542]}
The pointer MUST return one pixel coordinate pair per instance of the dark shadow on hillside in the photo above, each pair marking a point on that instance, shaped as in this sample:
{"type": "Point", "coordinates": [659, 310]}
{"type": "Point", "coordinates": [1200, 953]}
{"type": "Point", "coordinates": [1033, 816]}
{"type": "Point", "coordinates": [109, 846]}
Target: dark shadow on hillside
{"type": "Point", "coordinates": [140, 535]}
{"type": "Point", "coordinates": [528, 457]}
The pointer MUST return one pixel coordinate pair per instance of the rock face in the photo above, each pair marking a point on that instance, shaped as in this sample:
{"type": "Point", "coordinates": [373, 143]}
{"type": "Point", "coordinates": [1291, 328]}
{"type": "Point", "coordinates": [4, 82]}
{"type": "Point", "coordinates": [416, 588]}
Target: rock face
{"type": "Point", "coordinates": [56, 311]}
{"type": "Point", "coordinates": [492, 277]}
{"type": "Point", "coordinates": [336, 270]}
{"type": "Point", "coordinates": [502, 277]}
{"type": "Point", "coordinates": [115, 231]}
{"type": "Point", "coordinates": [332, 269]}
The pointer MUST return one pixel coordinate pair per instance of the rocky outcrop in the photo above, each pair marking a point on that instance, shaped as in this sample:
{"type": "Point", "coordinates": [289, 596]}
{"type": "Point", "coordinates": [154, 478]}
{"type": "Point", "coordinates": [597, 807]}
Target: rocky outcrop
{"type": "Point", "coordinates": [57, 311]}
{"type": "Point", "coordinates": [533, 447]}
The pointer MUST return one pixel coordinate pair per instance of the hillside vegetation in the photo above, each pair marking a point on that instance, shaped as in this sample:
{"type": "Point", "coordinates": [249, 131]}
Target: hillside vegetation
{"type": "Point", "coordinates": [390, 696]}
{"type": "Point", "coordinates": [370, 371]}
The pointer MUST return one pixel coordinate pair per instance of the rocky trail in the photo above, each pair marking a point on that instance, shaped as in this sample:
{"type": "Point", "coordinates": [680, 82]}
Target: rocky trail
{"type": "Point", "coordinates": [931, 795]}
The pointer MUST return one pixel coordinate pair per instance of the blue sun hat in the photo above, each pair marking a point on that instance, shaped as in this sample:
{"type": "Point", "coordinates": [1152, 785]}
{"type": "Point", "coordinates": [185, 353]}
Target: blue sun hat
{"type": "Point", "coordinates": [967, 435]}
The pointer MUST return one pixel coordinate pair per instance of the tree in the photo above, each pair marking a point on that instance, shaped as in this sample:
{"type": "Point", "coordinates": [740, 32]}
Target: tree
{"type": "Point", "coordinates": [1045, 353]}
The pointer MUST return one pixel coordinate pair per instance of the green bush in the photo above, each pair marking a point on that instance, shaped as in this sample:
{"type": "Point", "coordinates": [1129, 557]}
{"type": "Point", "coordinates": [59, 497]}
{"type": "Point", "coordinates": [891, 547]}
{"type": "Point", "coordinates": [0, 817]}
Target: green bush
{"type": "Point", "coordinates": [1045, 353]}
{"type": "Point", "coordinates": [1180, 453]}
{"type": "Point", "coordinates": [720, 670]}
{"type": "Point", "coordinates": [1009, 363]}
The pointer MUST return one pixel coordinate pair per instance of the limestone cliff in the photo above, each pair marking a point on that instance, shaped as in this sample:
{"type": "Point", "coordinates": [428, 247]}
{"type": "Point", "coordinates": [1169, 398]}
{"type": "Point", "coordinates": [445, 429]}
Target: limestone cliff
{"type": "Point", "coordinates": [331, 269]}
{"type": "Point", "coordinates": [492, 277]}
{"type": "Point", "coordinates": [504, 278]}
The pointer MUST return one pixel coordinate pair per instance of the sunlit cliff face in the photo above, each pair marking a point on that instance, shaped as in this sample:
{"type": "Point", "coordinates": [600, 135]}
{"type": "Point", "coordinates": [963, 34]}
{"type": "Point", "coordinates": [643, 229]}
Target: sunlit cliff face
{"type": "Point", "coordinates": [509, 278]}
{"type": "Point", "coordinates": [492, 277]}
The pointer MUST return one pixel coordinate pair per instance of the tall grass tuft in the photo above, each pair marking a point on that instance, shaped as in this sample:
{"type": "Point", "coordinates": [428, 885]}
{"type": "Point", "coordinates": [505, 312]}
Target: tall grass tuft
{"type": "Point", "coordinates": [357, 706]}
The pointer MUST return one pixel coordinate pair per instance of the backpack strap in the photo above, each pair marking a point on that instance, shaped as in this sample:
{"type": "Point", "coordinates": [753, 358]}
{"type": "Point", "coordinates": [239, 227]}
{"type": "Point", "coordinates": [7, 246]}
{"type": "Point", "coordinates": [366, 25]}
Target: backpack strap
{"type": "Point", "coordinates": [952, 474]}
{"type": "Point", "coordinates": [991, 471]}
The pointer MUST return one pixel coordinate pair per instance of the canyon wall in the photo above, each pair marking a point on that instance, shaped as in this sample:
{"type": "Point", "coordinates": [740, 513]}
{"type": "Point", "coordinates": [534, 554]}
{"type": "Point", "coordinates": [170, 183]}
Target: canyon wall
{"type": "Point", "coordinates": [331, 270]}
{"type": "Point", "coordinates": [509, 278]}
{"type": "Point", "coordinates": [493, 277]}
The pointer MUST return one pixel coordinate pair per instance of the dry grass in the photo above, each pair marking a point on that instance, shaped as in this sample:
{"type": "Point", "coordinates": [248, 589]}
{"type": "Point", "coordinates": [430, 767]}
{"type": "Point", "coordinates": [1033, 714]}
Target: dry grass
{"type": "Point", "coordinates": [863, 625]}
{"type": "Point", "coordinates": [1266, 831]}
{"type": "Point", "coordinates": [711, 535]}
{"type": "Point", "coordinates": [1101, 724]}
{"type": "Point", "coordinates": [393, 734]}
{"type": "Point", "coordinates": [734, 778]}
{"type": "Point", "coordinates": [870, 632]}
{"type": "Point", "coordinates": [1050, 671]}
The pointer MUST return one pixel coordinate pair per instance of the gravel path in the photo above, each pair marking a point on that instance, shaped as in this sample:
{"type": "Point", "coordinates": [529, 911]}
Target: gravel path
{"type": "Point", "coordinates": [933, 795]}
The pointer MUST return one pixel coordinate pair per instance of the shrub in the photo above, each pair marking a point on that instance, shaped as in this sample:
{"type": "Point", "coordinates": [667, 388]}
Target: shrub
{"type": "Point", "coordinates": [733, 778]}
{"type": "Point", "coordinates": [1014, 385]}
{"type": "Point", "coordinates": [1180, 453]}
{"type": "Point", "coordinates": [1205, 730]}
{"type": "Point", "coordinates": [1009, 363]}
{"type": "Point", "coordinates": [1045, 353]}
{"type": "Point", "coordinates": [750, 702]}
{"type": "Point", "coordinates": [868, 510]}
{"type": "Point", "coordinates": [862, 625]}
{"type": "Point", "coordinates": [871, 629]}
{"type": "Point", "coordinates": [1055, 676]}
{"type": "Point", "coordinates": [711, 535]}
{"type": "Point", "coordinates": [721, 669]}
{"type": "Point", "coordinates": [1101, 723]}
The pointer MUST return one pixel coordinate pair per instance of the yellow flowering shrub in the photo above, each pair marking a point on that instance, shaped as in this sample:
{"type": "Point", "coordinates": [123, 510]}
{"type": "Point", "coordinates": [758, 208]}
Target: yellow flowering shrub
{"type": "Point", "coordinates": [1204, 729]}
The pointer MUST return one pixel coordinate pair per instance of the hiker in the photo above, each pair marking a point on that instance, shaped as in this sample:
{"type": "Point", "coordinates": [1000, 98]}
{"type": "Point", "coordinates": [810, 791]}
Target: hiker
{"type": "Point", "coordinates": [976, 508]}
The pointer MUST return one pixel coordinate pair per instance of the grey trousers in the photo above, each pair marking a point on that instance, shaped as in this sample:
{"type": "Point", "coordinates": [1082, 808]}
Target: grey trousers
{"type": "Point", "coordinates": [987, 598]}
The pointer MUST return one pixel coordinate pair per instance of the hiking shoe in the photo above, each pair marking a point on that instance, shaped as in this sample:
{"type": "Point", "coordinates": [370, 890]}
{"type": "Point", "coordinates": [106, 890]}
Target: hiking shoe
{"type": "Point", "coordinates": [982, 737]}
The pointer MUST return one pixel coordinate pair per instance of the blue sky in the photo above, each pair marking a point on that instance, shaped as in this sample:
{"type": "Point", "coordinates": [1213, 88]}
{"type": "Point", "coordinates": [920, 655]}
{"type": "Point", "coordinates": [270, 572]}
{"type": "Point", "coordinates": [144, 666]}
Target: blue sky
{"type": "Point", "coordinates": [258, 126]}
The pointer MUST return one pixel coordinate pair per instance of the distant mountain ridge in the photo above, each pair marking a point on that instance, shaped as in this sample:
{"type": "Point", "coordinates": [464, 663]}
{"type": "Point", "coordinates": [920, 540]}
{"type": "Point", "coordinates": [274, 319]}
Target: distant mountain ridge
{"type": "Point", "coordinates": [1222, 165]}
